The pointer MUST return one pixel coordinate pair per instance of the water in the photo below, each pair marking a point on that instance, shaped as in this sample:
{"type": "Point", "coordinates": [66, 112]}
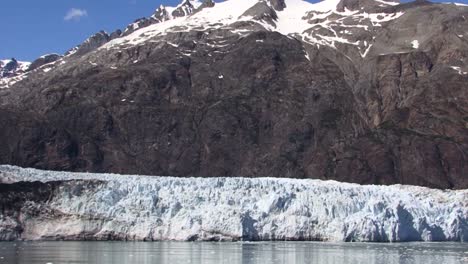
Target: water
{"type": "Point", "coordinates": [231, 253]}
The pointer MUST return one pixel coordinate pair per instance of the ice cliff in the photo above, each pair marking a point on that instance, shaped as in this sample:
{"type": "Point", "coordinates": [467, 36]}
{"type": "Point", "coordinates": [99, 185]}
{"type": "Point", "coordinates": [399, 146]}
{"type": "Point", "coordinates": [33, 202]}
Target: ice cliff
{"type": "Point", "coordinates": [60, 205]}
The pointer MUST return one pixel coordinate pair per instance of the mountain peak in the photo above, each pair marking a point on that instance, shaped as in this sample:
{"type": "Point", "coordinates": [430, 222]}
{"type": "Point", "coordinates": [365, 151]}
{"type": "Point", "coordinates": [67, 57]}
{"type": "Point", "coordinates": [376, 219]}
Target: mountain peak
{"type": "Point", "coordinates": [365, 5]}
{"type": "Point", "coordinates": [12, 67]}
{"type": "Point", "coordinates": [185, 8]}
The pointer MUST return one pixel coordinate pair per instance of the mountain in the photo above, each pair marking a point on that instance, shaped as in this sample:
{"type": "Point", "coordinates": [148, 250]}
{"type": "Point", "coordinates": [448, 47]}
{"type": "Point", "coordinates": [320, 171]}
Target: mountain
{"type": "Point", "coordinates": [9, 69]}
{"type": "Point", "coordinates": [364, 91]}
{"type": "Point", "coordinates": [45, 205]}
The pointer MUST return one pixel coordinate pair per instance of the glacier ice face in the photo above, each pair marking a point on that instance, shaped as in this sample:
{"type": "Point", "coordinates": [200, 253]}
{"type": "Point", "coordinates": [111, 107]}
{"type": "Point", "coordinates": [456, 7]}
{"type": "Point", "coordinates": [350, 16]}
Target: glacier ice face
{"type": "Point", "coordinates": [106, 206]}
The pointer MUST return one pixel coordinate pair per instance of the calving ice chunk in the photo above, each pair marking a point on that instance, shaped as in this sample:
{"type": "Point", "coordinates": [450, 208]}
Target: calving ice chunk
{"type": "Point", "coordinates": [108, 206]}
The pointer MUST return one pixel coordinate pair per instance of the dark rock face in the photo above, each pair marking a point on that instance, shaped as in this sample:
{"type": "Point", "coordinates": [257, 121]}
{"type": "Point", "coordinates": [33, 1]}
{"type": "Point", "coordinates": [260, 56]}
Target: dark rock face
{"type": "Point", "coordinates": [261, 104]}
{"type": "Point", "coordinates": [184, 9]}
{"type": "Point", "coordinates": [278, 5]}
{"type": "Point", "coordinates": [28, 200]}
{"type": "Point", "coordinates": [206, 3]}
{"type": "Point", "coordinates": [14, 196]}
{"type": "Point", "coordinates": [90, 44]}
{"type": "Point", "coordinates": [261, 11]}
{"type": "Point", "coordinates": [353, 5]}
{"type": "Point", "coordinates": [139, 23]}
{"type": "Point", "coordinates": [44, 60]}
{"type": "Point", "coordinates": [12, 68]}
{"type": "Point", "coordinates": [161, 14]}
{"type": "Point", "coordinates": [9, 68]}
{"type": "Point", "coordinates": [116, 34]}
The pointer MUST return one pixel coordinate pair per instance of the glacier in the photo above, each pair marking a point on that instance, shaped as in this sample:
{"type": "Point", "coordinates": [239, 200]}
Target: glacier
{"type": "Point", "coordinates": [87, 206]}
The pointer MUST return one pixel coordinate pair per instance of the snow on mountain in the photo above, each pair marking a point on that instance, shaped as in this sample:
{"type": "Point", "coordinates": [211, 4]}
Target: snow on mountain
{"type": "Point", "coordinates": [221, 14]}
{"type": "Point", "coordinates": [11, 67]}
{"type": "Point", "coordinates": [314, 23]}
{"type": "Point", "coordinates": [11, 70]}
{"type": "Point", "coordinates": [319, 23]}
{"type": "Point", "coordinates": [106, 206]}
{"type": "Point", "coordinates": [457, 4]}
{"type": "Point", "coordinates": [330, 23]}
{"type": "Point", "coordinates": [290, 21]}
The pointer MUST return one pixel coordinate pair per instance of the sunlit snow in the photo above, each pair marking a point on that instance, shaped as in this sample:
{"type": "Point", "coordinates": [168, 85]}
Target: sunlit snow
{"type": "Point", "coordinates": [459, 70]}
{"type": "Point", "coordinates": [291, 20]}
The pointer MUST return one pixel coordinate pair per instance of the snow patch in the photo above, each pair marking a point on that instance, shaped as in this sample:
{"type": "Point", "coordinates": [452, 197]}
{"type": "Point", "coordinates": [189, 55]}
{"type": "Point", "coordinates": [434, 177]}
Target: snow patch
{"type": "Point", "coordinates": [15, 75]}
{"type": "Point", "coordinates": [387, 2]}
{"type": "Point", "coordinates": [459, 70]}
{"type": "Point", "coordinates": [291, 20]}
{"type": "Point", "coordinates": [366, 51]}
{"type": "Point", "coordinates": [457, 4]}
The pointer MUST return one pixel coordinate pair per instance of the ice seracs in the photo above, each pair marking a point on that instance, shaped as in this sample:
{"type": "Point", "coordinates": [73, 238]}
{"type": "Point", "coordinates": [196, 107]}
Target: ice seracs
{"type": "Point", "coordinates": [106, 206]}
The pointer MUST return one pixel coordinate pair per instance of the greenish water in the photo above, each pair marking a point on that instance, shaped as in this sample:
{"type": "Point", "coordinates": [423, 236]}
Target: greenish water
{"type": "Point", "coordinates": [232, 253]}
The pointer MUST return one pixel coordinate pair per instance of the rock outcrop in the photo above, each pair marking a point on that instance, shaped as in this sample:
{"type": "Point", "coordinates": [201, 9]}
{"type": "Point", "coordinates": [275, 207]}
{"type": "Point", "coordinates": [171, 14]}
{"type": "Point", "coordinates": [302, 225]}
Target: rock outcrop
{"type": "Point", "coordinates": [12, 67]}
{"type": "Point", "coordinates": [46, 59]}
{"type": "Point", "coordinates": [92, 43]}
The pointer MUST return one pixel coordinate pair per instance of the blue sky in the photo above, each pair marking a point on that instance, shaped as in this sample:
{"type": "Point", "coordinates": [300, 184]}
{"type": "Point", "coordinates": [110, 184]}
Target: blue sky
{"type": "Point", "coordinates": [31, 28]}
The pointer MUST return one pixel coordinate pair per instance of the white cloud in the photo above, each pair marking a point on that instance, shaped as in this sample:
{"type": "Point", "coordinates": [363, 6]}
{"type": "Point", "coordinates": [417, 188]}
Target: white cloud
{"type": "Point", "coordinates": [75, 14]}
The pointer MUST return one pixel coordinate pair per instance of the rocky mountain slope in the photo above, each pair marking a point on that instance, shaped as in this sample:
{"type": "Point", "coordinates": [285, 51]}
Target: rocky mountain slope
{"type": "Point", "coordinates": [12, 67]}
{"type": "Point", "coordinates": [364, 91]}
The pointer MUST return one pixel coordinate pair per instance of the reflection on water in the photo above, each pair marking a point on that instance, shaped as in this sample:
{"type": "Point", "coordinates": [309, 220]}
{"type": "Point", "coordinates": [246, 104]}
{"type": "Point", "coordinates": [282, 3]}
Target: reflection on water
{"type": "Point", "coordinates": [232, 253]}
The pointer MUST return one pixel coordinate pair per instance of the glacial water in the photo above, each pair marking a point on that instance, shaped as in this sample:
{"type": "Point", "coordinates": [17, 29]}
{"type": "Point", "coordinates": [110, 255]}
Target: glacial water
{"type": "Point", "coordinates": [231, 253]}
